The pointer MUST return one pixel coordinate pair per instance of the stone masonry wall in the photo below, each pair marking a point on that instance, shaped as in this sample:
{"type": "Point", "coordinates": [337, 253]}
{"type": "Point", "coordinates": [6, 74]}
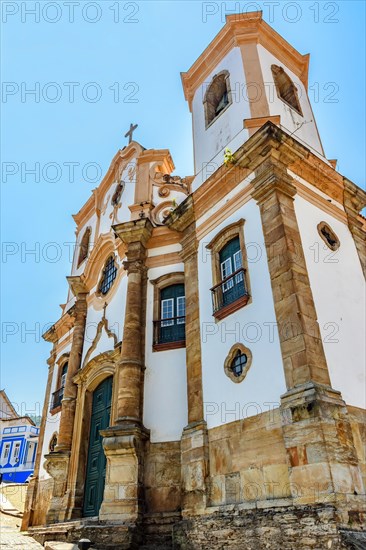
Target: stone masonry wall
{"type": "Point", "coordinates": [248, 460]}
{"type": "Point", "coordinates": [358, 425]}
{"type": "Point", "coordinates": [162, 477]}
{"type": "Point", "coordinates": [283, 528]}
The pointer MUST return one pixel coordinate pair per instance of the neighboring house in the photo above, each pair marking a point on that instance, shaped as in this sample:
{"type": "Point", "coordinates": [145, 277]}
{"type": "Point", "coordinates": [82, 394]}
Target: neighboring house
{"type": "Point", "coordinates": [18, 443]}
{"type": "Point", "coordinates": [207, 370]}
{"type": "Point", "coordinates": [6, 408]}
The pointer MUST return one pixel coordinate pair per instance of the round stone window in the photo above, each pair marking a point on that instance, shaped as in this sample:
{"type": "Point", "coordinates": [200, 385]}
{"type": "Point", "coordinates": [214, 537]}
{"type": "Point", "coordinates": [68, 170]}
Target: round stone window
{"type": "Point", "coordinates": [328, 236]}
{"type": "Point", "coordinates": [238, 362]}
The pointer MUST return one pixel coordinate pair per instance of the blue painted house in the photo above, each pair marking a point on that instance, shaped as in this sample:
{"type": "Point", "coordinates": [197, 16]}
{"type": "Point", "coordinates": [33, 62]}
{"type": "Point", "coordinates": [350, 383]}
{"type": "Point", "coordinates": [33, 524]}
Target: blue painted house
{"type": "Point", "coordinates": [18, 443]}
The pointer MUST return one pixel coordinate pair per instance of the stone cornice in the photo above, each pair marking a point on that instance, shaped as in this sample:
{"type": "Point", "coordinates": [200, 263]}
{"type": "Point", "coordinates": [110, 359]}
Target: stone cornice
{"type": "Point", "coordinates": [61, 327]}
{"type": "Point", "coordinates": [272, 178]}
{"type": "Point", "coordinates": [77, 285]}
{"type": "Point", "coordinates": [161, 156]}
{"type": "Point", "coordinates": [354, 197]}
{"type": "Point", "coordinates": [183, 216]}
{"type": "Point", "coordinates": [269, 142]}
{"type": "Point", "coordinates": [134, 231]}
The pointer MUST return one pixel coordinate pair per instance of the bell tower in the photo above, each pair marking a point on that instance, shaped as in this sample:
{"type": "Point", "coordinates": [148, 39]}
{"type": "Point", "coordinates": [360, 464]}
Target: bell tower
{"type": "Point", "coordinates": [246, 76]}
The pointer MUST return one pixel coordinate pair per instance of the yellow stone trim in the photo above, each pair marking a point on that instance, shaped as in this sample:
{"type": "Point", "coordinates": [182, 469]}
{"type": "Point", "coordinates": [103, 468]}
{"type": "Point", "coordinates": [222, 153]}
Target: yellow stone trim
{"type": "Point", "coordinates": [227, 365]}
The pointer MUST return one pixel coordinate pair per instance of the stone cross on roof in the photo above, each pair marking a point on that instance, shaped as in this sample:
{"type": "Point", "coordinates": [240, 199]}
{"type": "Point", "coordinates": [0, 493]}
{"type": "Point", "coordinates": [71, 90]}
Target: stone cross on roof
{"type": "Point", "coordinates": [131, 131]}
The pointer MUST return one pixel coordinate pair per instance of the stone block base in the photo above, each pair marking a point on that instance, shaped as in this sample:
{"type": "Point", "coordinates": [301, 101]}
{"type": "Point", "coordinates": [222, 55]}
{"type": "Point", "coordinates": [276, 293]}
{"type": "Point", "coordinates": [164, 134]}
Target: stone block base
{"type": "Point", "coordinates": [250, 526]}
{"type": "Point", "coordinates": [104, 535]}
{"type": "Point", "coordinates": [282, 528]}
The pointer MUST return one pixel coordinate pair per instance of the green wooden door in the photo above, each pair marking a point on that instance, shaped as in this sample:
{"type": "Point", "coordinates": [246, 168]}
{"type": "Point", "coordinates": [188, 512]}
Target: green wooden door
{"type": "Point", "coordinates": [96, 464]}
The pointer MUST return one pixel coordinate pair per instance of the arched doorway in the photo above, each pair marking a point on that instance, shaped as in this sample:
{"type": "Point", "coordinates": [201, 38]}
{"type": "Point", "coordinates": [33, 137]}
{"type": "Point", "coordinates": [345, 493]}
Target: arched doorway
{"type": "Point", "coordinates": [96, 462]}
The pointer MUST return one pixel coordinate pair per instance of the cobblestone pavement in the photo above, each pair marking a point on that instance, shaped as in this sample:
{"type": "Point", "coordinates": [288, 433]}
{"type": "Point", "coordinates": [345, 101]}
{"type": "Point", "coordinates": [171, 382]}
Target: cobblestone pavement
{"type": "Point", "coordinates": [11, 538]}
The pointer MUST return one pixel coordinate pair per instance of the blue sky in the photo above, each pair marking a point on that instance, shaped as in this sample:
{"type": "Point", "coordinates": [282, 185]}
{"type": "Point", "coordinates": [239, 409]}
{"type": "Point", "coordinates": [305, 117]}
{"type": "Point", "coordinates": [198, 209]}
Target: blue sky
{"type": "Point", "coordinates": [122, 63]}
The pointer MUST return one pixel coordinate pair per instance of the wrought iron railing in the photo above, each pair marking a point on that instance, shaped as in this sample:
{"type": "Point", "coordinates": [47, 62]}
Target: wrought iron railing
{"type": "Point", "coordinates": [229, 290]}
{"type": "Point", "coordinates": [57, 398]}
{"type": "Point", "coordinates": [170, 330]}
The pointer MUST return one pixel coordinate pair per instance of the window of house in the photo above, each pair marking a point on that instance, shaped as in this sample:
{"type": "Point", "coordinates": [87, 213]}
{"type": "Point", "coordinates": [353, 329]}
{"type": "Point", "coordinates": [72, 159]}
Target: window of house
{"type": "Point", "coordinates": [229, 266]}
{"type": "Point", "coordinates": [286, 89]}
{"type": "Point", "coordinates": [6, 450]}
{"type": "Point", "coordinates": [16, 452]}
{"type": "Point", "coordinates": [28, 454]}
{"type": "Point", "coordinates": [84, 246]}
{"type": "Point", "coordinates": [169, 312]}
{"type": "Point", "coordinates": [238, 362]}
{"type": "Point", "coordinates": [217, 97]}
{"type": "Point", "coordinates": [108, 276]}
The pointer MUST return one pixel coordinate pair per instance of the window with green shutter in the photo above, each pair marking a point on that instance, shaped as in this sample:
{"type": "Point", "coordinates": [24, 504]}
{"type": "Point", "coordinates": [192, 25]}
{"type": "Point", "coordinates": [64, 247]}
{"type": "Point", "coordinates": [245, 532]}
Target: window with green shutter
{"type": "Point", "coordinates": [171, 325]}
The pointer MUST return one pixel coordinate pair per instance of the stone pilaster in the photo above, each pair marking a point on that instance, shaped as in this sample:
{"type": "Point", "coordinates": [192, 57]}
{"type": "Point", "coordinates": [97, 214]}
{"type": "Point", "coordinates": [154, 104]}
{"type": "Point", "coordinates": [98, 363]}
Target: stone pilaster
{"type": "Point", "coordinates": [299, 333]}
{"type": "Point", "coordinates": [124, 490]}
{"type": "Point", "coordinates": [322, 459]}
{"type": "Point", "coordinates": [73, 501]}
{"type": "Point", "coordinates": [124, 443]}
{"type": "Point", "coordinates": [66, 429]}
{"type": "Point", "coordinates": [33, 487]}
{"type": "Point", "coordinates": [57, 463]}
{"type": "Point", "coordinates": [316, 429]}
{"type": "Point", "coordinates": [194, 439]}
{"type": "Point", "coordinates": [57, 466]}
{"type": "Point", "coordinates": [354, 200]}
{"type": "Point", "coordinates": [132, 364]}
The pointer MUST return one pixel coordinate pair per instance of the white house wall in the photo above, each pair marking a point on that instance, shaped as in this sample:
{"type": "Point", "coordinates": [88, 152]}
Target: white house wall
{"type": "Point", "coordinates": [165, 388]}
{"type": "Point", "coordinates": [338, 288]}
{"type": "Point", "coordinates": [254, 326]}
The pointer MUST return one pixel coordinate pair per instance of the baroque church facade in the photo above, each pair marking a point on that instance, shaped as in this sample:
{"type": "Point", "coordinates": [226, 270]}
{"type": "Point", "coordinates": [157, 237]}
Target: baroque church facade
{"type": "Point", "coordinates": [206, 379]}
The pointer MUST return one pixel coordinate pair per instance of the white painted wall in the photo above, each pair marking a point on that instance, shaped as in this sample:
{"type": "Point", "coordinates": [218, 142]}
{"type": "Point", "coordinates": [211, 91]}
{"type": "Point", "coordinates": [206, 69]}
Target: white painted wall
{"type": "Point", "coordinates": [338, 288]}
{"type": "Point", "coordinates": [115, 315]}
{"type": "Point", "coordinates": [290, 119]}
{"type": "Point", "coordinates": [209, 144]}
{"type": "Point", "coordinates": [165, 389]}
{"type": "Point", "coordinates": [254, 326]}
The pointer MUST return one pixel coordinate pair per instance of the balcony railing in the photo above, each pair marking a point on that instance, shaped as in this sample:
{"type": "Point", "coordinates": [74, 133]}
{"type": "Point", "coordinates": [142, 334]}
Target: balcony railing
{"type": "Point", "coordinates": [170, 331]}
{"type": "Point", "coordinates": [57, 398]}
{"type": "Point", "coordinates": [231, 290]}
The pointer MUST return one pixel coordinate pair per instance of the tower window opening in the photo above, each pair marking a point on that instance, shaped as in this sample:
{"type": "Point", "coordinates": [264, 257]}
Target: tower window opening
{"type": "Point", "coordinates": [217, 97]}
{"type": "Point", "coordinates": [286, 89]}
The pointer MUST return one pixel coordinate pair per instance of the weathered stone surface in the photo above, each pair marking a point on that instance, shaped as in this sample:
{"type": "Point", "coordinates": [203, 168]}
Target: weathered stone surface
{"type": "Point", "coordinates": [300, 528]}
